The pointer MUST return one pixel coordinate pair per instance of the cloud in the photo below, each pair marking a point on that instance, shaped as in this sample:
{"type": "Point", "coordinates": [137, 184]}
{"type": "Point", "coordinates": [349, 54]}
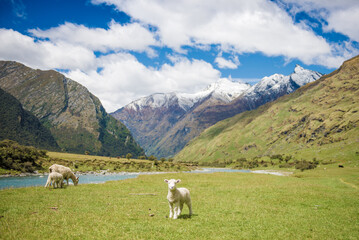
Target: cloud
{"type": "Point", "coordinates": [19, 9]}
{"type": "Point", "coordinates": [236, 26]}
{"type": "Point", "coordinates": [225, 63]}
{"type": "Point", "coordinates": [345, 21]}
{"type": "Point", "coordinates": [339, 16]}
{"type": "Point", "coordinates": [43, 54]}
{"type": "Point", "coordinates": [123, 78]}
{"type": "Point", "coordinates": [131, 36]}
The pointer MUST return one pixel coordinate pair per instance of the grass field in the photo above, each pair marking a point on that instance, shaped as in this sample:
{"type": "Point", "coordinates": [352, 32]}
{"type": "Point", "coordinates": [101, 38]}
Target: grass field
{"type": "Point", "coordinates": [315, 204]}
{"type": "Point", "coordinates": [84, 163]}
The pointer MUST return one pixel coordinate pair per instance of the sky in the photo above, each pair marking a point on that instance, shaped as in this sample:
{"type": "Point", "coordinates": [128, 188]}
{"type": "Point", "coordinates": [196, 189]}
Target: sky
{"type": "Point", "coordinates": [122, 50]}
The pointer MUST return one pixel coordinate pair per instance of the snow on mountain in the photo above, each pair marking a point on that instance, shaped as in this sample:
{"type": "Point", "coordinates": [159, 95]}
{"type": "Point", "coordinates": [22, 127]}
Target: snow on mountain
{"type": "Point", "coordinates": [224, 90]}
{"type": "Point", "coordinates": [278, 83]}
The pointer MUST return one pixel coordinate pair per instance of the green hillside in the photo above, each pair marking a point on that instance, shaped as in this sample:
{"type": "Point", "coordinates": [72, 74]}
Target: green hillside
{"type": "Point", "coordinates": [319, 120]}
{"type": "Point", "coordinates": [20, 125]}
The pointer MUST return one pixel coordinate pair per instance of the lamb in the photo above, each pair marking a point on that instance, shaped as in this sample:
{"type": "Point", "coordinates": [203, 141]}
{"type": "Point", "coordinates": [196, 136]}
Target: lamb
{"type": "Point", "coordinates": [177, 197]}
{"type": "Point", "coordinates": [66, 173]}
{"type": "Point", "coordinates": [56, 179]}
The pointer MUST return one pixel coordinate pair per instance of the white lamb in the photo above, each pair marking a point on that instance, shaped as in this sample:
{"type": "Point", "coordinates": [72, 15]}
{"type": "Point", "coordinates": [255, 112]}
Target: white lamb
{"type": "Point", "coordinates": [66, 173]}
{"type": "Point", "coordinates": [177, 197]}
{"type": "Point", "coordinates": [56, 179]}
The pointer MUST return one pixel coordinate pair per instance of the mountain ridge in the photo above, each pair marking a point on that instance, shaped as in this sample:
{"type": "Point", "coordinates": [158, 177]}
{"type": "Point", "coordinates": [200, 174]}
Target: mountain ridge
{"type": "Point", "coordinates": [170, 128]}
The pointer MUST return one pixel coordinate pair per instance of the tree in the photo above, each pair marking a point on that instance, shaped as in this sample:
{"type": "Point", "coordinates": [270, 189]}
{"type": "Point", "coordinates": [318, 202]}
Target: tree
{"type": "Point", "coordinates": [129, 156]}
{"type": "Point", "coordinates": [152, 158]}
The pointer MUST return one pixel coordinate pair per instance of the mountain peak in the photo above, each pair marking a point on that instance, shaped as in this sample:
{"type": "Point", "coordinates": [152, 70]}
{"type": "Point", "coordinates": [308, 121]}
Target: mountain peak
{"type": "Point", "coordinates": [298, 68]}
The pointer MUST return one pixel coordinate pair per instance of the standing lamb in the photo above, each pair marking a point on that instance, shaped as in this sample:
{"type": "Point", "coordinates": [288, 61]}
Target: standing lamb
{"type": "Point", "coordinates": [177, 197]}
{"type": "Point", "coordinates": [66, 173]}
{"type": "Point", "coordinates": [56, 179]}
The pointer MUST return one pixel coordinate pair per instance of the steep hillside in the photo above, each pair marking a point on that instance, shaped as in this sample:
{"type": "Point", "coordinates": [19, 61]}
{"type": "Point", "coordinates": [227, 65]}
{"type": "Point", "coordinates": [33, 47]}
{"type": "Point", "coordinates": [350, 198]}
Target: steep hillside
{"type": "Point", "coordinates": [74, 116]}
{"type": "Point", "coordinates": [163, 126]}
{"type": "Point", "coordinates": [20, 125]}
{"type": "Point", "coordinates": [320, 120]}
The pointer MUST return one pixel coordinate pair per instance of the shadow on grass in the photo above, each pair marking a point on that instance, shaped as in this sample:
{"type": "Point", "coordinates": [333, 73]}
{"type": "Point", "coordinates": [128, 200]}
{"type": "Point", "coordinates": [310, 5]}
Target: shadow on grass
{"type": "Point", "coordinates": [187, 216]}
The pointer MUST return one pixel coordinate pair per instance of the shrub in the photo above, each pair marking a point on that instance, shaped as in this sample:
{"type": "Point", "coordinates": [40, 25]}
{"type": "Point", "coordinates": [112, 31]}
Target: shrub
{"type": "Point", "coordinates": [305, 165]}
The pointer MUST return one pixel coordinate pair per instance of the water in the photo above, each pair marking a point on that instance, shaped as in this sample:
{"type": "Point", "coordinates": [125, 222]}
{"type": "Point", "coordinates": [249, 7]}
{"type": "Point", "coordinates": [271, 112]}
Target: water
{"type": "Point", "coordinates": [30, 181]}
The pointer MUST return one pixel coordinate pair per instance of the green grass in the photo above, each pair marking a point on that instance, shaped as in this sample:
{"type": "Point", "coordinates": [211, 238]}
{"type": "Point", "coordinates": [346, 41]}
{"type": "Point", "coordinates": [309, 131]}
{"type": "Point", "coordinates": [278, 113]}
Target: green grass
{"type": "Point", "coordinates": [316, 204]}
{"type": "Point", "coordinates": [84, 163]}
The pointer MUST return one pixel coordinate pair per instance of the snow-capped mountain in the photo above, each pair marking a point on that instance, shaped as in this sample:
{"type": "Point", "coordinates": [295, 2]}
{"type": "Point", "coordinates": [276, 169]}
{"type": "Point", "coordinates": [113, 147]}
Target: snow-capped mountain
{"type": "Point", "coordinates": [279, 82]}
{"type": "Point", "coordinates": [223, 90]}
{"type": "Point", "coordinates": [270, 88]}
{"type": "Point", "coordinates": [163, 123]}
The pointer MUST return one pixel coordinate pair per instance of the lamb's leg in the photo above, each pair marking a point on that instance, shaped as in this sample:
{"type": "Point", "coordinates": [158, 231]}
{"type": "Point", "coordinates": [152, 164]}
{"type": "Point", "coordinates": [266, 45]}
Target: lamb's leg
{"type": "Point", "coordinates": [176, 211]}
{"type": "Point", "coordinates": [189, 204]}
{"type": "Point", "coordinates": [171, 210]}
{"type": "Point", "coordinates": [180, 209]}
{"type": "Point", "coordinates": [67, 181]}
{"type": "Point", "coordinates": [47, 182]}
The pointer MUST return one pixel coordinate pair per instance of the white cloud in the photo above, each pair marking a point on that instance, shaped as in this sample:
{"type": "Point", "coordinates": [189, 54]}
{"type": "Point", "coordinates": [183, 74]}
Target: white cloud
{"type": "Point", "coordinates": [123, 78]}
{"type": "Point", "coordinates": [240, 26]}
{"type": "Point", "coordinates": [345, 21]}
{"type": "Point", "coordinates": [226, 63]}
{"type": "Point", "coordinates": [339, 16]}
{"type": "Point", "coordinates": [131, 36]}
{"type": "Point", "coordinates": [43, 54]}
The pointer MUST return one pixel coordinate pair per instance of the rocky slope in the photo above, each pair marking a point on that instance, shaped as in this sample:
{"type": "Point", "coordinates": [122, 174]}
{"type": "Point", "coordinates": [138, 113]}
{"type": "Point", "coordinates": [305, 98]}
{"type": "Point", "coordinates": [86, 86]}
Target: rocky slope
{"type": "Point", "coordinates": [152, 117]}
{"type": "Point", "coordinates": [74, 116]}
{"type": "Point", "coordinates": [320, 120]}
{"type": "Point", "coordinates": [22, 126]}
{"type": "Point", "coordinates": [164, 123]}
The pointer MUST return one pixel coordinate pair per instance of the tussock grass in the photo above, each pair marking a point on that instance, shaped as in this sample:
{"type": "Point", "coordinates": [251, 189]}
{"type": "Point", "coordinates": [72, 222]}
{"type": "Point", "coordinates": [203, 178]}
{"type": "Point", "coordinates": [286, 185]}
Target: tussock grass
{"type": "Point", "coordinates": [315, 204]}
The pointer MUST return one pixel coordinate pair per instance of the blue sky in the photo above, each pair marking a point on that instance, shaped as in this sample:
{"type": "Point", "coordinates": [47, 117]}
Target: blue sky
{"type": "Point", "coordinates": [125, 49]}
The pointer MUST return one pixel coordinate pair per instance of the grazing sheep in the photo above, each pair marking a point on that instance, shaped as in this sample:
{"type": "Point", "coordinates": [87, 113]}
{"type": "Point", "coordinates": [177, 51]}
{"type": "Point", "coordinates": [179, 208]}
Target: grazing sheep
{"type": "Point", "coordinates": [66, 173]}
{"type": "Point", "coordinates": [177, 197]}
{"type": "Point", "coordinates": [56, 179]}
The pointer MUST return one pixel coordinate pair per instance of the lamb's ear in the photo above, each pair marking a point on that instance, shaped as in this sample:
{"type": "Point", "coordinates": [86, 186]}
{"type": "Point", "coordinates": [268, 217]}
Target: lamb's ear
{"type": "Point", "coordinates": [178, 180]}
{"type": "Point", "coordinates": [166, 180]}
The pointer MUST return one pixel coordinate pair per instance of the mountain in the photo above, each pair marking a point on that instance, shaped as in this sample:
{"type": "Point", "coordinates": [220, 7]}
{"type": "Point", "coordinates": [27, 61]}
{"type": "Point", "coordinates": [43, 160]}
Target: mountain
{"type": "Point", "coordinates": [319, 120]}
{"type": "Point", "coordinates": [164, 129]}
{"type": "Point", "coordinates": [21, 126]}
{"type": "Point", "coordinates": [152, 117]}
{"type": "Point", "coordinates": [75, 117]}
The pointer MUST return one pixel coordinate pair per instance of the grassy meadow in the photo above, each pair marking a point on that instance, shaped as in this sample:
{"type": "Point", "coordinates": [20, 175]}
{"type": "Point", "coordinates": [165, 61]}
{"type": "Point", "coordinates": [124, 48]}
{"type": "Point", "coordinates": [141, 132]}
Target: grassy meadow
{"type": "Point", "coordinates": [85, 163]}
{"type": "Point", "coordinates": [316, 204]}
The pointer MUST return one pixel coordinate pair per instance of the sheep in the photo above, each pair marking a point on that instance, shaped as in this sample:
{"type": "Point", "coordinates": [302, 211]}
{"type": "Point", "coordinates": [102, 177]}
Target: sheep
{"type": "Point", "coordinates": [177, 197]}
{"type": "Point", "coordinates": [66, 173]}
{"type": "Point", "coordinates": [56, 179]}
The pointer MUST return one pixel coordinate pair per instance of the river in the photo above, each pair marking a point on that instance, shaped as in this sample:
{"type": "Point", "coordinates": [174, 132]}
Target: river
{"type": "Point", "coordinates": [40, 180]}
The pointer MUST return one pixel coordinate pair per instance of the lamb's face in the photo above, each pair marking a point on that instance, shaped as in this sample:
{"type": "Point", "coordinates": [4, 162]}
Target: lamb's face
{"type": "Point", "coordinates": [77, 181]}
{"type": "Point", "coordinates": [172, 183]}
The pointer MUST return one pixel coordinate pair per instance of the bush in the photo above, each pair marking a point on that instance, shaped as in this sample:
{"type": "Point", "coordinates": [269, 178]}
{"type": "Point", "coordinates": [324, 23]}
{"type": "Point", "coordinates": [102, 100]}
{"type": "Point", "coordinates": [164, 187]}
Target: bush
{"type": "Point", "coordinates": [18, 157]}
{"type": "Point", "coordinates": [305, 165]}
